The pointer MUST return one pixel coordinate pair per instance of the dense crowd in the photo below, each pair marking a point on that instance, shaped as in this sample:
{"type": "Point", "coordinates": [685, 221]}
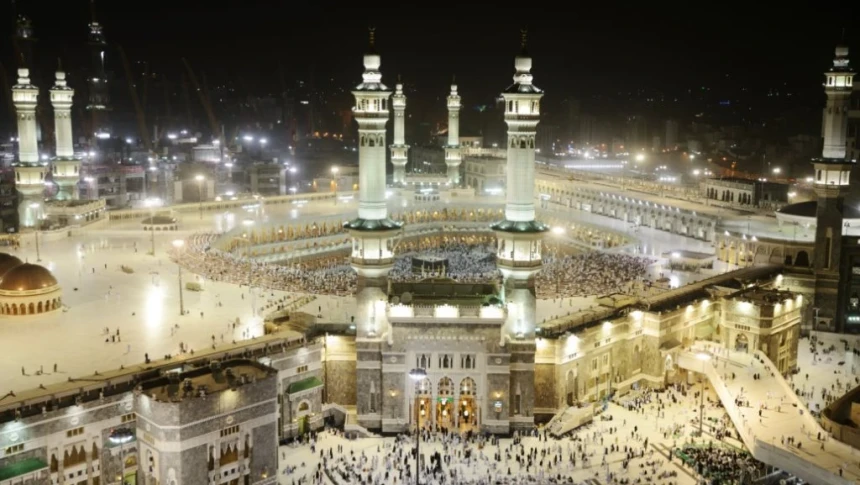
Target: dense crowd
{"type": "Point", "coordinates": [472, 459]}
{"type": "Point", "coordinates": [588, 274]}
{"type": "Point", "coordinates": [721, 465]}
{"type": "Point", "coordinates": [330, 275]}
{"type": "Point", "coordinates": [465, 263]}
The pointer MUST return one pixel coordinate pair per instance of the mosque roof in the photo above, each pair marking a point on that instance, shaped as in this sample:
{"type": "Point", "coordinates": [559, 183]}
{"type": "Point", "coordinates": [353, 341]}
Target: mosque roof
{"type": "Point", "coordinates": [517, 88]}
{"type": "Point", "coordinates": [27, 277]}
{"type": "Point", "coordinates": [7, 262]}
{"type": "Point", "coordinates": [810, 208]}
{"type": "Point", "coordinates": [372, 225]}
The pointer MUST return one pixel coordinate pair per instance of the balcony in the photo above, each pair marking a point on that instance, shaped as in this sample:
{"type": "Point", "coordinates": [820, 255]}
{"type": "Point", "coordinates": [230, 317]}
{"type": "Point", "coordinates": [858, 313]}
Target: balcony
{"type": "Point", "coordinates": [450, 314]}
{"type": "Point", "coordinates": [513, 263]}
{"type": "Point", "coordinates": [372, 261]}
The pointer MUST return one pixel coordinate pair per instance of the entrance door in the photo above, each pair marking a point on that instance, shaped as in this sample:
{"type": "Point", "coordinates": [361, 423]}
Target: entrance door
{"type": "Point", "coordinates": [741, 343]}
{"type": "Point", "coordinates": [303, 425]}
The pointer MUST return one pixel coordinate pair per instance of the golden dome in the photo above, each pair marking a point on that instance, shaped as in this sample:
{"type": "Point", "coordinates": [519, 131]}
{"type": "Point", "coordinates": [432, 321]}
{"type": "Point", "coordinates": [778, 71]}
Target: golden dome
{"type": "Point", "coordinates": [27, 277]}
{"type": "Point", "coordinates": [7, 262]}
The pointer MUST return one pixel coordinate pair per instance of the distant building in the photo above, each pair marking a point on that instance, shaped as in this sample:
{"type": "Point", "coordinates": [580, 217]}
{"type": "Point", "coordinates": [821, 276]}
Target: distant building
{"type": "Point", "coordinates": [744, 192]}
{"type": "Point", "coordinates": [267, 178]}
{"type": "Point", "coordinates": [227, 418]}
{"type": "Point", "coordinates": [671, 139]}
{"type": "Point", "coordinates": [485, 172]}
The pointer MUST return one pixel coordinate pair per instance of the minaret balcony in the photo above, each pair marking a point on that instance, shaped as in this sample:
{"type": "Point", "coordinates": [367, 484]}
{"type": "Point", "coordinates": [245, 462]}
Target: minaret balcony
{"type": "Point", "coordinates": [531, 117]}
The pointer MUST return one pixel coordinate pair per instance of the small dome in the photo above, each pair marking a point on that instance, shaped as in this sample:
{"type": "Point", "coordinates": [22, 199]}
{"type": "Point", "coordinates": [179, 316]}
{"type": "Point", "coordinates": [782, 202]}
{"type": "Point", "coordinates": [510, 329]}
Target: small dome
{"type": "Point", "coordinates": [7, 262]}
{"type": "Point", "coordinates": [27, 277]}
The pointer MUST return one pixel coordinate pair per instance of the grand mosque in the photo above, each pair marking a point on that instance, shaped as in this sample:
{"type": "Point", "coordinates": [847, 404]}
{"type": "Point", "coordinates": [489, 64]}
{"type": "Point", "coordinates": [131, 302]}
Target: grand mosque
{"type": "Point", "coordinates": [375, 352]}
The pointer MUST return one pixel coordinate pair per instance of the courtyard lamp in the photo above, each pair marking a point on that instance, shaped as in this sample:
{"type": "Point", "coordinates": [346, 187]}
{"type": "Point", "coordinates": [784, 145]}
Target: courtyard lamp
{"type": "Point", "coordinates": [417, 375]}
{"type": "Point", "coordinates": [151, 203]}
{"type": "Point", "coordinates": [704, 358]}
{"type": "Point", "coordinates": [34, 206]}
{"type": "Point", "coordinates": [200, 179]}
{"type": "Point", "coordinates": [247, 242]}
{"type": "Point", "coordinates": [334, 171]}
{"type": "Point", "coordinates": [178, 244]}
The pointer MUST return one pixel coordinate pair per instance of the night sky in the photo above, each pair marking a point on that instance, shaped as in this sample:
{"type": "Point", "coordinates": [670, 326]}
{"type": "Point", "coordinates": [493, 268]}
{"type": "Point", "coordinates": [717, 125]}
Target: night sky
{"type": "Point", "coordinates": [578, 52]}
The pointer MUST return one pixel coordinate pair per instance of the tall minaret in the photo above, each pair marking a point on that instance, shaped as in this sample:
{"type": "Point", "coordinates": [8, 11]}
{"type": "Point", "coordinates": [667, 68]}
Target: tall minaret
{"type": "Point", "coordinates": [399, 148]}
{"type": "Point", "coordinates": [29, 171]}
{"type": "Point", "coordinates": [372, 235]}
{"type": "Point", "coordinates": [66, 169]}
{"type": "Point", "coordinates": [452, 149]}
{"type": "Point", "coordinates": [830, 183]}
{"type": "Point", "coordinates": [520, 237]}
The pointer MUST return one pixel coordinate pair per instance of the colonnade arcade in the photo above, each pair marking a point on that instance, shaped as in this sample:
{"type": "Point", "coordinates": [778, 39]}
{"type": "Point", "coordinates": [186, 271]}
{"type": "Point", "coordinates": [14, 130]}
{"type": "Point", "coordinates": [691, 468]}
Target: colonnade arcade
{"type": "Point", "coordinates": [631, 210]}
{"type": "Point", "coordinates": [743, 250]}
{"type": "Point", "coordinates": [446, 402]}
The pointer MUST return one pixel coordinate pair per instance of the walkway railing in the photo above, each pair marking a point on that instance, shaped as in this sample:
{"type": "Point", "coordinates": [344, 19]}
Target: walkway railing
{"type": "Point", "coordinates": [785, 458]}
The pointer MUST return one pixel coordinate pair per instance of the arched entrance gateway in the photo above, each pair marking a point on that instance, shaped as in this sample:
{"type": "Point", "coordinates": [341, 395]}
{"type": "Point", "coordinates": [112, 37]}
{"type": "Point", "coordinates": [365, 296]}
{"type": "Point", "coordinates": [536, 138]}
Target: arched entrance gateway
{"type": "Point", "coordinates": [445, 404]}
{"type": "Point", "coordinates": [468, 414]}
{"type": "Point", "coordinates": [741, 343]}
{"type": "Point", "coordinates": [423, 402]}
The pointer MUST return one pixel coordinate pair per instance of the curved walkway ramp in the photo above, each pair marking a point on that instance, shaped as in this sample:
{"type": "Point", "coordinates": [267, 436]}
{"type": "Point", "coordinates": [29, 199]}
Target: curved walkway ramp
{"type": "Point", "coordinates": [766, 436]}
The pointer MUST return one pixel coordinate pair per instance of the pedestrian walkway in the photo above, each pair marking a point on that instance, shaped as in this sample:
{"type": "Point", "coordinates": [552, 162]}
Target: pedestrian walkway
{"type": "Point", "coordinates": [773, 423]}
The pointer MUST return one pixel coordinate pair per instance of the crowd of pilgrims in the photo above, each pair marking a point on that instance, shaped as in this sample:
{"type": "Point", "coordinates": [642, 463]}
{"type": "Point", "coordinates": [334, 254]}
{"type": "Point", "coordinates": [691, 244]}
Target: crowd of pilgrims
{"type": "Point", "coordinates": [474, 459]}
{"type": "Point", "coordinates": [466, 263]}
{"type": "Point", "coordinates": [721, 465]}
{"type": "Point", "coordinates": [817, 398]}
{"type": "Point", "coordinates": [586, 274]}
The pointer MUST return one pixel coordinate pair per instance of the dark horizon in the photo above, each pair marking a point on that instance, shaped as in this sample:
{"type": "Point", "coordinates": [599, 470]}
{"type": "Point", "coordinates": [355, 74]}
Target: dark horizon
{"type": "Point", "coordinates": [624, 60]}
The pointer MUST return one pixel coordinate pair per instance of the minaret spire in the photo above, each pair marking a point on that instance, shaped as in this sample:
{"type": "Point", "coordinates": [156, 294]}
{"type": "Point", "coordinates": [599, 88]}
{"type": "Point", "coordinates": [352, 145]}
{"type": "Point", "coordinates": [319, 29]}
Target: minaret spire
{"type": "Point", "coordinates": [831, 185]}
{"type": "Point", "coordinates": [66, 168]}
{"type": "Point", "coordinates": [372, 230]}
{"type": "Point", "coordinates": [399, 148]}
{"type": "Point", "coordinates": [371, 46]}
{"type": "Point", "coordinates": [453, 156]}
{"type": "Point", "coordinates": [29, 172]}
{"type": "Point", "coordinates": [521, 259]}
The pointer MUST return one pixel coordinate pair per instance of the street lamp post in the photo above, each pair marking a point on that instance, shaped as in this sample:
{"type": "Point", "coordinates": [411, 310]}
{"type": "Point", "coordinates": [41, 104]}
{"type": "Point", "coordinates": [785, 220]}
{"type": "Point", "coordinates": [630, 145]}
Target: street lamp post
{"type": "Point", "coordinates": [178, 244]}
{"type": "Point", "coordinates": [34, 206]}
{"type": "Point", "coordinates": [417, 375]}
{"type": "Point", "coordinates": [151, 203]}
{"type": "Point", "coordinates": [558, 232]}
{"type": "Point", "coordinates": [704, 358]}
{"type": "Point", "coordinates": [200, 179]}
{"type": "Point", "coordinates": [334, 171]}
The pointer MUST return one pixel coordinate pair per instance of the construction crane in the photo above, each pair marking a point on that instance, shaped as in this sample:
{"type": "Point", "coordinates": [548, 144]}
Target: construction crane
{"type": "Point", "coordinates": [141, 119]}
{"type": "Point", "coordinates": [4, 84]}
{"type": "Point", "coordinates": [207, 104]}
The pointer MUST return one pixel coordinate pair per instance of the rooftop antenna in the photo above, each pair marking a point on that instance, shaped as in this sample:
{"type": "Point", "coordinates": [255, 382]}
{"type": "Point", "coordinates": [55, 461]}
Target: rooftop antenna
{"type": "Point", "coordinates": [93, 10]}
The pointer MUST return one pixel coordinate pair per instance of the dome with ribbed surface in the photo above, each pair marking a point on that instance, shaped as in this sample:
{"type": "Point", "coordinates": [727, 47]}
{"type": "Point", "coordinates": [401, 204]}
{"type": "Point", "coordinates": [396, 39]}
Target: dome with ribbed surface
{"type": "Point", "coordinates": [27, 277]}
{"type": "Point", "coordinates": [7, 262]}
